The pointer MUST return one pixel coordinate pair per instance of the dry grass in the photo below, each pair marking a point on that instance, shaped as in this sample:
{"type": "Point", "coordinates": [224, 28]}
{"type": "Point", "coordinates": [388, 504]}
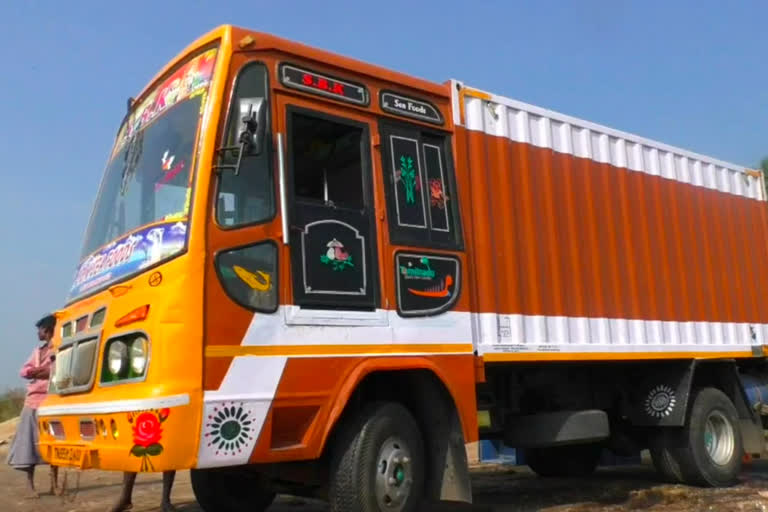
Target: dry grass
{"type": "Point", "coordinates": [11, 403]}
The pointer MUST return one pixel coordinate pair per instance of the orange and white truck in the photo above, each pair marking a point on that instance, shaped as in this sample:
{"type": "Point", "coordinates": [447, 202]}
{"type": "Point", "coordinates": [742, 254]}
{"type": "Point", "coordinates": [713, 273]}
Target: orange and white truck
{"type": "Point", "coordinates": [308, 274]}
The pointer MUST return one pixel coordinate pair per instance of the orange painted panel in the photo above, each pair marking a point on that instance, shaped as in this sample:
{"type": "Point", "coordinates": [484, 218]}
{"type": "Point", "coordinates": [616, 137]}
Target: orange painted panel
{"type": "Point", "coordinates": [590, 239]}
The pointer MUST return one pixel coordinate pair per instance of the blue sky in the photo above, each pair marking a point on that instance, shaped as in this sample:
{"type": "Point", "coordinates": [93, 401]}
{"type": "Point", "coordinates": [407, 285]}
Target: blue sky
{"type": "Point", "coordinates": [692, 74]}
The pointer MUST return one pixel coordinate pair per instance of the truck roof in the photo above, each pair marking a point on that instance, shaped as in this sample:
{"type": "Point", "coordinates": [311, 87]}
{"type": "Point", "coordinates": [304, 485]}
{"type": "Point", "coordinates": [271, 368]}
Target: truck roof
{"type": "Point", "coordinates": [554, 128]}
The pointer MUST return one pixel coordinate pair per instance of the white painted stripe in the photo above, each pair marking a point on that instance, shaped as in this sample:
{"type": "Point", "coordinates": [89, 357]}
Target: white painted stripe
{"type": "Point", "coordinates": [525, 123]}
{"type": "Point", "coordinates": [531, 332]}
{"type": "Point", "coordinates": [386, 327]}
{"type": "Point", "coordinates": [610, 349]}
{"type": "Point", "coordinates": [114, 406]}
{"type": "Point", "coordinates": [383, 327]}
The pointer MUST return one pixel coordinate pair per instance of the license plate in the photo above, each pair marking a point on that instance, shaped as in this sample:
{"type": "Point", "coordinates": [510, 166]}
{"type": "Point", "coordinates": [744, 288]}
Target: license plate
{"type": "Point", "coordinates": [68, 456]}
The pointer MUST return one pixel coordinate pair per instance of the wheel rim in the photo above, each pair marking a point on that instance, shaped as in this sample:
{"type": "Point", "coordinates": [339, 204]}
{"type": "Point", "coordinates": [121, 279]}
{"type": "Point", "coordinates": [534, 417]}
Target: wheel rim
{"type": "Point", "coordinates": [719, 438]}
{"type": "Point", "coordinates": [394, 475]}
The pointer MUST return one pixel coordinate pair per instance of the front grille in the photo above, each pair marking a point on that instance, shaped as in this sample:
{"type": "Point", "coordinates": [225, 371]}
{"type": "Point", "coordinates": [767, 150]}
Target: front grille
{"type": "Point", "coordinates": [74, 366]}
{"type": "Point", "coordinates": [61, 378]}
{"type": "Point", "coordinates": [82, 365]}
{"type": "Point", "coordinates": [76, 358]}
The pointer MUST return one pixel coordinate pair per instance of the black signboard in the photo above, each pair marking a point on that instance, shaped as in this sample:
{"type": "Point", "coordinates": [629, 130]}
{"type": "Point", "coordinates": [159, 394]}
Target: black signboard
{"type": "Point", "coordinates": [427, 284]}
{"type": "Point", "coordinates": [324, 85]}
{"type": "Point", "coordinates": [409, 107]}
{"type": "Point", "coordinates": [333, 255]}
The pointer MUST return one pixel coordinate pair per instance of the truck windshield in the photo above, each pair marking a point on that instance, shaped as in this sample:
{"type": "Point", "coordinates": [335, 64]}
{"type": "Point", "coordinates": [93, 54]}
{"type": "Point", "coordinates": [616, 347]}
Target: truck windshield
{"type": "Point", "coordinates": [140, 215]}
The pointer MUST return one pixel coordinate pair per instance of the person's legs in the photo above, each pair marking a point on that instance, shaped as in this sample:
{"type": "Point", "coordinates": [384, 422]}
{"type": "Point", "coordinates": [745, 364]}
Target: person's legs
{"type": "Point", "coordinates": [124, 502]}
{"type": "Point", "coordinates": [54, 479]}
{"type": "Point", "coordinates": [23, 454]}
{"type": "Point", "coordinates": [168, 478]}
{"type": "Point", "coordinates": [30, 471]}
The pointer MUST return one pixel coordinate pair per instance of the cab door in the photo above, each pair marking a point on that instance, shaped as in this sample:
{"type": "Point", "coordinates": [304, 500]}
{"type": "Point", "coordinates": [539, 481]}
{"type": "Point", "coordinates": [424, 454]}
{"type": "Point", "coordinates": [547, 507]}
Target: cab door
{"type": "Point", "coordinates": [329, 205]}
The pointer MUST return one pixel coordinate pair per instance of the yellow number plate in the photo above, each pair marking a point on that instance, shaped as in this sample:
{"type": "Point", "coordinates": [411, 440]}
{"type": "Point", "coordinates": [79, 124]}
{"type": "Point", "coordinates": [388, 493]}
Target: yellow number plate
{"type": "Point", "coordinates": [73, 456]}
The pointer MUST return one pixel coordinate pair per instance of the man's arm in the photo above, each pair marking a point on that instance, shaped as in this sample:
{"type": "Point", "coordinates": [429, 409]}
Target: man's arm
{"type": "Point", "coordinates": [29, 368]}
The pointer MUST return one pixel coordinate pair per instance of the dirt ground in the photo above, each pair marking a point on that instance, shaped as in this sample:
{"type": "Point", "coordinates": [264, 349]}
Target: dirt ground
{"type": "Point", "coordinates": [505, 489]}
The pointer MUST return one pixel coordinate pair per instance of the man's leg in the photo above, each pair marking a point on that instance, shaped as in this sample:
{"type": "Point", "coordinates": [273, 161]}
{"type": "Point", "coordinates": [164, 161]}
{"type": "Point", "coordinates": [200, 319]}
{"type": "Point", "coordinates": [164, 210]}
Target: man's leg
{"type": "Point", "coordinates": [30, 471]}
{"type": "Point", "coordinates": [168, 478]}
{"type": "Point", "coordinates": [54, 479]}
{"type": "Point", "coordinates": [124, 502]}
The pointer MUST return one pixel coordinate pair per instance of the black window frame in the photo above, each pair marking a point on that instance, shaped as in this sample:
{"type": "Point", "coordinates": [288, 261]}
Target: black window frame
{"type": "Point", "coordinates": [365, 153]}
{"type": "Point", "coordinates": [269, 149]}
{"type": "Point", "coordinates": [412, 236]}
{"type": "Point", "coordinates": [368, 183]}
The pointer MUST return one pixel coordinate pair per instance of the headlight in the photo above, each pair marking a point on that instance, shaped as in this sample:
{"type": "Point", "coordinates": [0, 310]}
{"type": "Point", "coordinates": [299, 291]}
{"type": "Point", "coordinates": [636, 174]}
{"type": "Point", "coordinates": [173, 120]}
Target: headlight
{"type": "Point", "coordinates": [139, 350]}
{"type": "Point", "coordinates": [117, 357]}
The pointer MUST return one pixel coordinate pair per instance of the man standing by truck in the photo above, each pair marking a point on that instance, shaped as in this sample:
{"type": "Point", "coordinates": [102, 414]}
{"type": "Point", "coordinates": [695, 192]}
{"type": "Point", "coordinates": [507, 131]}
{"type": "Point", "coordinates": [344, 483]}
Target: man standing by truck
{"type": "Point", "coordinates": [23, 454]}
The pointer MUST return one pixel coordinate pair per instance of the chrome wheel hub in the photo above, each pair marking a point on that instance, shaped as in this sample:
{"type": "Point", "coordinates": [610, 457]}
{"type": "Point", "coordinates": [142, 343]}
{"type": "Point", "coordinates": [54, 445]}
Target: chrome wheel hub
{"type": "Point", "coordinates": [719, 438]}
{"type": "Point", "coordinates": [394, 476]}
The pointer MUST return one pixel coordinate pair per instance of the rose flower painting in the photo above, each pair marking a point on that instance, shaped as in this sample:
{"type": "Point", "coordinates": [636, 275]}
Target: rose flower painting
{"type": "Point", "coordinates": [147, 434]}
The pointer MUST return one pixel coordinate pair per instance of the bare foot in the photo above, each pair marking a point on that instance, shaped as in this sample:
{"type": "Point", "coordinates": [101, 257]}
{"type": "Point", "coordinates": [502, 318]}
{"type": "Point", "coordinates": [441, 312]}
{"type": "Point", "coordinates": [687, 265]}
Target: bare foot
{"type": "Point", "coordinates": [122, 506]}
{"type": "Point", "coordinates": [32, 495]}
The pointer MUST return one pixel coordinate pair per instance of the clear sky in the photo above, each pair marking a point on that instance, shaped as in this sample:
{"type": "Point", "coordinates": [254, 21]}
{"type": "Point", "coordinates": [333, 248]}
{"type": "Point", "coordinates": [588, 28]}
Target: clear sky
{"type": "Point", "coordinates": [688, 73]}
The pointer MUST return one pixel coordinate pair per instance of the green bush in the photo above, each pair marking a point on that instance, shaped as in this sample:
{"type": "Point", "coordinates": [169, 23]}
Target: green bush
{"type": "Point", "coordinates": [11, 403]}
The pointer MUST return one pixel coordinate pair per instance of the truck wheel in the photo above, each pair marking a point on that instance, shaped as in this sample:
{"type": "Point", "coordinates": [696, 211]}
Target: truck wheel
{"type": "Point", "coordinates": [228, 490]}
{"type": "Point", "coordinates": [377, 462]}
{"type": "Point", "coordinates": [564, 461]}
{"type": "Point", "coordinates": [709, 448]}
{"type": "Point", "coordinates": [662, 458]}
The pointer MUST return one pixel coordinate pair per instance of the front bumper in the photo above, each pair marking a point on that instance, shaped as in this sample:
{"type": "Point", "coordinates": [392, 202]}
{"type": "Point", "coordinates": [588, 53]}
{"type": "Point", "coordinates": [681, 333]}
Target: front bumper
{"type": "Point", "coordinates": [157, 434]}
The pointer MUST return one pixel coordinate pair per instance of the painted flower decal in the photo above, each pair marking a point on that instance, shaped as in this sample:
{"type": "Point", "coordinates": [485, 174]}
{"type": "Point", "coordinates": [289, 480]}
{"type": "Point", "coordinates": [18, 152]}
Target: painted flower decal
{"type": "Point", "coordinates": [229, 429]}
{"type": "Point", "coordinates": [437, 194]}
{"type": "Point", "coordinates": [407, 174]}
{"type": "Point", "coordinates": [147, 430]}
{"type": "Point", "coordinates": [336, 256]}
{"type": "Point", "coordinates": [147, 434]}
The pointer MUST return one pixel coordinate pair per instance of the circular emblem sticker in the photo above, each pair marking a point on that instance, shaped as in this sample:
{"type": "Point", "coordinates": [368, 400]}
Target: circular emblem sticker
{"type": "Point", "coordinates": [155, 279]}
{"type": "Point", "coordinates": [660, 401]}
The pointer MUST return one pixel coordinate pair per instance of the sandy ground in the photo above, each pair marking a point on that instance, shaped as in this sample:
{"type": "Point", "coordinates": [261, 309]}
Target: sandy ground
{"type": "Point", "coordinates": [505, 489]}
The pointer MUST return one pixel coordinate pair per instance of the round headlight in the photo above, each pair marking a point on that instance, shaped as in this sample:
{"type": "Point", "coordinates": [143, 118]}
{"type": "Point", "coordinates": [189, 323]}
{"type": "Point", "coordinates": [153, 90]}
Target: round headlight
{"type": "Point", "coordinates": [139, 349]}
{"type": "Point", "coordinates": [117, 357]}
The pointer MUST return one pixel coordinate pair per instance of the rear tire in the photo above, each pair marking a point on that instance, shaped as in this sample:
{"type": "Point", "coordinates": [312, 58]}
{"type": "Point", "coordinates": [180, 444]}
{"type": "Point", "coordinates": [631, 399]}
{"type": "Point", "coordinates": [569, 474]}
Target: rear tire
{"type": "Point", "coordinates": [564, 461]}
{"type": "Point", "coordinates": [230, 490]}
{"type": "Point", "coordinates": [377, 462]}
{"type": "Point", "coordinates": [709, 448]}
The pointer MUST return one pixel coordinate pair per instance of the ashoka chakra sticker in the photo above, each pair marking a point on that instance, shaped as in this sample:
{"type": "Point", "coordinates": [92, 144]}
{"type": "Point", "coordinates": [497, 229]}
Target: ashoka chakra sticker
{"type": "Point", "coordinates": [660, 401]}
{"type": "Point", "coordinates": [229, 428]}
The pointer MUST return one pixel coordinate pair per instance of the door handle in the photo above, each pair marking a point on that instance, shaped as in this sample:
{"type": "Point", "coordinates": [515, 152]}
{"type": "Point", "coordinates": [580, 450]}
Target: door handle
{"type": "Point", "coordinates": [282, 184]}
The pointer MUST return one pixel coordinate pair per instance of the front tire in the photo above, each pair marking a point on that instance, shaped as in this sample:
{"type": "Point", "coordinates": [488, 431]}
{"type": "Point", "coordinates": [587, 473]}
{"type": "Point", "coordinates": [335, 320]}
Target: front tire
{"type": "Point", "coordinates": [564, 461]}
{"type": "Point", "coordinates": [377, 462]}
{"type": "Point", "coordinates": [230, 490]}
{"type": "Point", "coordinates": [709, 448]}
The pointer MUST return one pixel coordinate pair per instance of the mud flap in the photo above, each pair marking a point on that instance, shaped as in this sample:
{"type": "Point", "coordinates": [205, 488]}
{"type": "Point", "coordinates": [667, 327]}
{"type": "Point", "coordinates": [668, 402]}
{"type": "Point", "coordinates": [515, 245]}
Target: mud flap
{"type": "Point", "coordinates": [660, 397]}
{"type": "Point", "coordinates": [448, 477]}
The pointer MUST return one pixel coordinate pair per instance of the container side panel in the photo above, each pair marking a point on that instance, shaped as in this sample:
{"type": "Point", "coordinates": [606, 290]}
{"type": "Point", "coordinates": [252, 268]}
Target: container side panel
{"type": "Point", "coordinates": [596, 241]}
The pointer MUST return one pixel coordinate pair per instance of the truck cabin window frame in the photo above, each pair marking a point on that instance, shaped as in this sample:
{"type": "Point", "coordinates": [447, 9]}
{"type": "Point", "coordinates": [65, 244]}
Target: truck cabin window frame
{"type": "Point", "coordinates": [327, 161]}
{"type": "Point", "coordinates": [247, 198]}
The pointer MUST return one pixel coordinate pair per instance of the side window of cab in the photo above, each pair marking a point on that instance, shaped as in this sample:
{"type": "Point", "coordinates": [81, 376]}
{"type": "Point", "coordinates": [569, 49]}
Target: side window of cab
{"type": "Point", "coordinates": [247, 197]}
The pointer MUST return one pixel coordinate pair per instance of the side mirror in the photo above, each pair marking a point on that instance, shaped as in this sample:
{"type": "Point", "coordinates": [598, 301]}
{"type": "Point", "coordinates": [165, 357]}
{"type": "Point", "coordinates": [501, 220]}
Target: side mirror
{"type": "Point", "coordinates": [251, 133]}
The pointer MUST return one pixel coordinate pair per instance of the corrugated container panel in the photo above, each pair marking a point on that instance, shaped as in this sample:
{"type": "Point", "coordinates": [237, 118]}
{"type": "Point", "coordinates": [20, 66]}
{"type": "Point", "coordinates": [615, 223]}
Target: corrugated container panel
{"type": "Point", "coordinates": [589, 239]}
